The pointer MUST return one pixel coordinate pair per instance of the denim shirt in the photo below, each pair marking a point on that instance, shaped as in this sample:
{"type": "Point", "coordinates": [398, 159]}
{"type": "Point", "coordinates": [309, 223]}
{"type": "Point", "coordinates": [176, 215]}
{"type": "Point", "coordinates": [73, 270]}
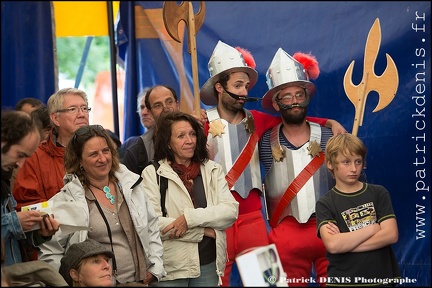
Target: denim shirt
{"type": "Point", "coordinates": [11, 230]}
{"type": "Point", "coordinates": [11, 225]}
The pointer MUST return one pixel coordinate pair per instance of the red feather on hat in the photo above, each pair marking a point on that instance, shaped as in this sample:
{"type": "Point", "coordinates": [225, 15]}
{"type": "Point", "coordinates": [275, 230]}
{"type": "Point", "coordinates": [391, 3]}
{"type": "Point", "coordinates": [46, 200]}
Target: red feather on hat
{"type": "Point", "coordinates": [247, 56]}
{"type": "Point", "coordinates": [309, 63]}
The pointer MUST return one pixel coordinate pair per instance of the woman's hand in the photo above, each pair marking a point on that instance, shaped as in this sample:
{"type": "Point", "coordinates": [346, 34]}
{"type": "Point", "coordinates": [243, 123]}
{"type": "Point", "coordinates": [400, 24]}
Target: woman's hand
{"type": "Point", "coordinates": [210, 232]}
{"type": "Point", "coordinates": [177, 228]}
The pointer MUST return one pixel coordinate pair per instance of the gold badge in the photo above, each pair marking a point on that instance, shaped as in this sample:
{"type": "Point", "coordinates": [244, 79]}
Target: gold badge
{"type": "Point", "coordinates": [314, 148]}
{"type": "Point", "coordinates": [216, 128]}
{"type": "Point", "coordinates": [249, 124]}
{"type": "Point", "coordinates": [278, 153]}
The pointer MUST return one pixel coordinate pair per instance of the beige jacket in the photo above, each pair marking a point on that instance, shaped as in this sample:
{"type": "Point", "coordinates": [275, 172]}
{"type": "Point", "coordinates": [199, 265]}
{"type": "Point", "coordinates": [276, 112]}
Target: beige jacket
{"type": "Point", "coordinates": [181, 259]}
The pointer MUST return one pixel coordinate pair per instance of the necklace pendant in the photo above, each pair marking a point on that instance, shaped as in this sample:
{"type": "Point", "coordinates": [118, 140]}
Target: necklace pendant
{"type": "Point", "coordinates": [108, 195]}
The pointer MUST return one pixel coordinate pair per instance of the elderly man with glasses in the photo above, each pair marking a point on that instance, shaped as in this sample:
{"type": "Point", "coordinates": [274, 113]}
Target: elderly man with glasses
{"type": "Point", "coordinates": [41, 176]}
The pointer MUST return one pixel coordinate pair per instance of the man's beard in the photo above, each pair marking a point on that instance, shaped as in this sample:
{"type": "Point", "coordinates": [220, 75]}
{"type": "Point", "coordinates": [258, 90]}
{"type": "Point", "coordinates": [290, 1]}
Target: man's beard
{"type": "Point", "coordinates": [294, 118]}
{"type": "Point", "coordinates": [230, 104]}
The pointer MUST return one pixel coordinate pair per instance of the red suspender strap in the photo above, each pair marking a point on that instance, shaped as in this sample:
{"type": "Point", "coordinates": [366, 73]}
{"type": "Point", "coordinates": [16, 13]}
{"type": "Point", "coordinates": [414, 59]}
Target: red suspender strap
{"type": "Point", "coordinates": [295, 187]}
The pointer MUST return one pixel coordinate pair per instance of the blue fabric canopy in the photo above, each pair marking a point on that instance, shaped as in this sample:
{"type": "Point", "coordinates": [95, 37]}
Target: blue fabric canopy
{"type": "Point", "coordinates": [27, 53]}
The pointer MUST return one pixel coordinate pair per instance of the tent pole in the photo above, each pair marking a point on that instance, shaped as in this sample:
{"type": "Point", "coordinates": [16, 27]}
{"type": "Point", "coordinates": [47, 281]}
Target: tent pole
{"type": "Point", "coordinates": [83, 61]}
{"type": "Point", "coordinates": [113, 61]}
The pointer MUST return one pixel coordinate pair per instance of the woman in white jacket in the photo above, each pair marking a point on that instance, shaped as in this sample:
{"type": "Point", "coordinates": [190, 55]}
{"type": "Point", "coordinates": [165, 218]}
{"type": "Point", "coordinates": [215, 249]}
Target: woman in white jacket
{"type": "Point", "coordinates": [103, 195]}
{"type": "Point", "coordinates": [198, 204]}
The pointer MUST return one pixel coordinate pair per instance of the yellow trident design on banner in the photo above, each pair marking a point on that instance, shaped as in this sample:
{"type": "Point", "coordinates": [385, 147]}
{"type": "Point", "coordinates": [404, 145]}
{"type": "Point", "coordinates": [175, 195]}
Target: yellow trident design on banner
{"type": "Point", "coordinates": [385, 85]}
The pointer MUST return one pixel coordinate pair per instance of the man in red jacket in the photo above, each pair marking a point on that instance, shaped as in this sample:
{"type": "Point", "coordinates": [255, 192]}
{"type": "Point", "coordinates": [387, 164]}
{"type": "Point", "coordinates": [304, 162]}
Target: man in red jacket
{"type": "Point", "coordinates": [41, 176]}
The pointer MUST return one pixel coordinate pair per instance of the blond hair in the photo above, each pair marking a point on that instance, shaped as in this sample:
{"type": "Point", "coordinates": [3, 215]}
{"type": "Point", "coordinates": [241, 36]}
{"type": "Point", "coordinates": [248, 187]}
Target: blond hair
{"type": "Point", "coordinates": [344, 144]}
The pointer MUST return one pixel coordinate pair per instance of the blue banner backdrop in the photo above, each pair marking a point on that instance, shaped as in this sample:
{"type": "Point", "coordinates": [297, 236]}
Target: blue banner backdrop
{"type": "Point", "coordinates": [27, 53]}
{"type": "Point", "coordinates": [335, 32]}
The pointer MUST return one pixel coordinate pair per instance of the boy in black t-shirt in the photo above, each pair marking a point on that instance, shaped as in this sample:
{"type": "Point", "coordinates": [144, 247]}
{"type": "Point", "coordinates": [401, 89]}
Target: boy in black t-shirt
{"type": "Point", "coordinates": [355, 220]}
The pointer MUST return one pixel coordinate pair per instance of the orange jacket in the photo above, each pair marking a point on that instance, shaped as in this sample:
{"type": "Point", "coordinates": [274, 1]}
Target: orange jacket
{"type": "Point", "coordinates": [41, 177]}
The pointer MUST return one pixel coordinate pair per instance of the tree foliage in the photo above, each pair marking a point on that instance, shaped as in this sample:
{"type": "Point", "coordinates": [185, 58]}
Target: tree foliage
{"type": "Point", "coordinates": [70, 51]}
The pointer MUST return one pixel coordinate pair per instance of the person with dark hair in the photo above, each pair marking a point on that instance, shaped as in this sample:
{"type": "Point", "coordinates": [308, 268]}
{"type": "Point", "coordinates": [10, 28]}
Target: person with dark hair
{"type": "Point", "coordinates": [43, 119]}
{"type": "Point", "coordinates": [19, 139]}
{"type": "Point", "coordinates": [28, 104]}
{"type": "Point", "coordinates": [87, 264]}
{"type": "Point", "coordinates": [41, 177]}
{"type": "Point", "coordinates": [196, 207]}
{"type": "Point", "coordinates": [112, 204]}
{"type": "Point", "coordinates": [158, 99]}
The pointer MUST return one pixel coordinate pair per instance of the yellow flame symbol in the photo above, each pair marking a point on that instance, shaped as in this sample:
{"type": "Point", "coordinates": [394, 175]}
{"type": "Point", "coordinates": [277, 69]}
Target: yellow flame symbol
{"type": "Point", "coordinates": [385, 85]}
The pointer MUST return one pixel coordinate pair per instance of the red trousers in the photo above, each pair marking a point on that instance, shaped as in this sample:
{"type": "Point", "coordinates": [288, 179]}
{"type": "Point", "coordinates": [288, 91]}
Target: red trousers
{"type": "Point", "coordinates": [299, 248]}
{"type": "Point", "coordinates": [249, 231]}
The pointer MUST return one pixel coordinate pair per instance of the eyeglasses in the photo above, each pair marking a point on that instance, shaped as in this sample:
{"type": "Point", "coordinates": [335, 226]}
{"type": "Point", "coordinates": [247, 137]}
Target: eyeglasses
{"type": "Point", "coordinates": [85, 129]}
{"type": "Point", "coordinates": [168, 103]}
{"type": "Point", "coordinates": [74, 109]}
{"type": "Point", "coordinates": [288, 99]}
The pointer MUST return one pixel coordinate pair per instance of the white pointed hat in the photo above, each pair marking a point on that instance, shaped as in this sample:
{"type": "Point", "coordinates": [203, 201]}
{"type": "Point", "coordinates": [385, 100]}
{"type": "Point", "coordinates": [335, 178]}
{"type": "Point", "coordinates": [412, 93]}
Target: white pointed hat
{"type": "Point", "coordinates": [224, 60]}
{"type": "Point", "coordinates": [285, 71]}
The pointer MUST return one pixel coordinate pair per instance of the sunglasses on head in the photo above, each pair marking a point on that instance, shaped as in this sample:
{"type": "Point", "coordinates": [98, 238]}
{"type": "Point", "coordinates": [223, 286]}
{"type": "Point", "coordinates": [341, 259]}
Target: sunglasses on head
{"type": "Point", "coordinates": [85, 129]}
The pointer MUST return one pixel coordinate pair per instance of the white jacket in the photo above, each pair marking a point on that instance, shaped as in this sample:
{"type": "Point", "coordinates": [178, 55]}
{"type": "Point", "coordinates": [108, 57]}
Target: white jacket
{"type": "Point", "coordinates": [142, 213]}
{"type": "Point", "coordinates": [181, 258]}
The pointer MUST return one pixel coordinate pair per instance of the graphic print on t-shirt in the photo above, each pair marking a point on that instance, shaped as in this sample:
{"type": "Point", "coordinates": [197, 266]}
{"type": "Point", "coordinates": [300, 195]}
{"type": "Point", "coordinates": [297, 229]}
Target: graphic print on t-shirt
{"type": "Point", "coordinates": [360, 216]}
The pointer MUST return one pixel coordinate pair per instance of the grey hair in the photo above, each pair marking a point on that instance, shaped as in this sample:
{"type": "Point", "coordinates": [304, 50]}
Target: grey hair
{"type": "Point", "coordinates": [56, 100]}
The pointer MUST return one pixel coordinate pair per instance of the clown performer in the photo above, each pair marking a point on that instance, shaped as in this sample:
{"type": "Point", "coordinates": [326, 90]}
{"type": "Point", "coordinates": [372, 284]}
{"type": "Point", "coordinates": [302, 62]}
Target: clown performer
{"type": "Point", "coordinates": [233, 134]}
{"type": "Point", "coordinates": [292, 156]}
